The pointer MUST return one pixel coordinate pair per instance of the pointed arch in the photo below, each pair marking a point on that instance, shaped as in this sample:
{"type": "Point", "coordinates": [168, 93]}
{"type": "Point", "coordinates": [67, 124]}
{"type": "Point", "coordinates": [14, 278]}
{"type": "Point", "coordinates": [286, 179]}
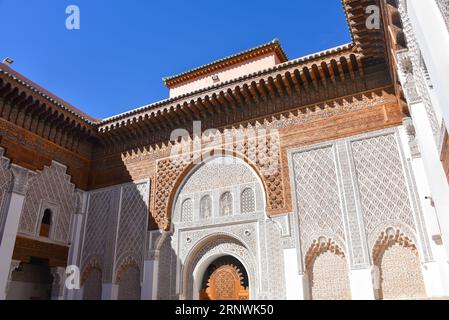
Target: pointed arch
{"type": "Point", "coordinates": [127, 263]}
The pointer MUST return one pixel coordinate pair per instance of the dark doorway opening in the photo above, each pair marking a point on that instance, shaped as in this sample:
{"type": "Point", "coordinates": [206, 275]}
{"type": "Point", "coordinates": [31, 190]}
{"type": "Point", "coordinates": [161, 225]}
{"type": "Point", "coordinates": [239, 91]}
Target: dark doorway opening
{"type": "Point", "coordinates": [46, 224]}
{"type": "Point", "coordinates": [31, 281]}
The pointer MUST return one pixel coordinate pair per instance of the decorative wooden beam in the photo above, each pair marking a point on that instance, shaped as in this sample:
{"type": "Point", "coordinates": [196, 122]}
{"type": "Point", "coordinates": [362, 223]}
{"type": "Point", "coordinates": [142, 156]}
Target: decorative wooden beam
{"type": "Point", "coordinates": [313, 76]}
{"type": "Point", "coordinates": [322, 74]}
{"type": "Point", "coordinates": [348, 66]}
{"type": "Point", "coordinates": [304, 78]}
{"type": "Point", "coordinates": [331, 71]}
{"type": "Point", "coordinates": [288, 83]}
{"type": "Point", "coordinates": [271, 88]}
{"type": "Point", "coordinates": [263, 90]}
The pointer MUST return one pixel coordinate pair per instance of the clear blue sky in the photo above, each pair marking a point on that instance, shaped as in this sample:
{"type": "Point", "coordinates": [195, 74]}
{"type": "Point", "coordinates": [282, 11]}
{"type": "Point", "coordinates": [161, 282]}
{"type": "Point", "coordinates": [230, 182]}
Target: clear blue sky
{"type": "Point", "coordinates": [116, 61]}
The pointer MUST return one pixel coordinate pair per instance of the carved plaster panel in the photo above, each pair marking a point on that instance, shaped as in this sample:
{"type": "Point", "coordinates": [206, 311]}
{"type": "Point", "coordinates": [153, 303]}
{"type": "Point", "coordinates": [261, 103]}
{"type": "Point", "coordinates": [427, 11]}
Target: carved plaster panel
{"type": "Point", "coordinates": [132, 223]}
{"type": "Point", "coordinates": [369, 187]}
{"type": "Point", "coordinates": [50, 189]}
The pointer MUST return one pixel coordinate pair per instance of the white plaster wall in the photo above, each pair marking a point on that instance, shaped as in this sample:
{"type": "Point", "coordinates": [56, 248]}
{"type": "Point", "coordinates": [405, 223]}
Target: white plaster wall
{"type": "Point", "coordinates": [436, 272]}
{"type": "Point", "coordinates": [9, 239]}
{"type": "Point", "coordinates": [438, 186]}
{"type": "Point", "coordinates": [149, 285]}
{"type": "Point", "coordinates": [293, 280]}
{"type": "Point", "coordinates": [361, 284]}
{"type": "Point", "coordinates": [433, 38]}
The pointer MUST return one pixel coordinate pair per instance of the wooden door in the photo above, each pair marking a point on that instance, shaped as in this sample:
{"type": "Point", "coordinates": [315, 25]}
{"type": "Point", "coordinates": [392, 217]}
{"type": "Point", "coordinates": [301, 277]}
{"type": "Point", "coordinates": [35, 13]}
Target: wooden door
{"type": "Point", "coordinates": [225, 284]}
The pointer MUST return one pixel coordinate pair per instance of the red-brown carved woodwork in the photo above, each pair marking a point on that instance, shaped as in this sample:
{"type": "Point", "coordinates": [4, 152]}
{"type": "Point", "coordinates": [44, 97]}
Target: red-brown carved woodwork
{"type": "Point", "coordinates": [225, 284]}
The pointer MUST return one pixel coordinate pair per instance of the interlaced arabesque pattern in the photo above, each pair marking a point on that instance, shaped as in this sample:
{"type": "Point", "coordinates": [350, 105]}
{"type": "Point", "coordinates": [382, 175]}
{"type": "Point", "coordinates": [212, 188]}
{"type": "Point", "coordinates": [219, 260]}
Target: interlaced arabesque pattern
{"type": "Point", "coordinates": [317, 195]}
{"type": "Point", "coordinates": [52, 185]}
{"type": "Point", "coordinates": [381, 180]}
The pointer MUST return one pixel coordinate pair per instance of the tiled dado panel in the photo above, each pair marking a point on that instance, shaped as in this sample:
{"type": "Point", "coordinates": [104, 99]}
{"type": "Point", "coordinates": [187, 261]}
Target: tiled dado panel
{"type": "Point", "coordinates": [350, 190]}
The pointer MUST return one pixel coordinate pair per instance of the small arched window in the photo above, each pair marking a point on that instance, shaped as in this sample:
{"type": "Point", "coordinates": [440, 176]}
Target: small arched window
{"type": "Point", "coordinates": [46, 223]}
{"type": "Point", "coordinates": [206, 207]}
{"type": "Point", "coordinates": [247, 204]}
{"type": "Point", "coordinates": [187, 210]}
{"type": "Point", "coordinates": [226, 204]}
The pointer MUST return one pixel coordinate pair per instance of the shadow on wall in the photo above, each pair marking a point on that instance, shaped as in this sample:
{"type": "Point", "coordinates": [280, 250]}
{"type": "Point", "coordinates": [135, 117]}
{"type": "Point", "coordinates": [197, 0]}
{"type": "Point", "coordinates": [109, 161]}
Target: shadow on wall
{"type": "Point", "coordinates": [121, 238]}
{"type": "Point", "coordinates": [114, 233]}
{"type": "Point", "coordinates": [31, 281]}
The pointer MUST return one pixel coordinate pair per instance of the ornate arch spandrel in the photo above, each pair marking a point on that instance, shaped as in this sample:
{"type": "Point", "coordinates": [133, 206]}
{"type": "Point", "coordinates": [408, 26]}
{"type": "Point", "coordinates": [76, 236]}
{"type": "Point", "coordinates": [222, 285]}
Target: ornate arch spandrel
{"type": "Point", "coordinates": [92, 286]}
{"type": "Point", "coordinates": [391, 229]}
{"type": "Point", "coordinates": [92, 265]}
{"type": "Point", "coordinates": [171, 173]}
{"type": "Point", "coordinates": [388, 238]}
{"type": "Point", "coordinates": [126, 264]}
{"type": "Point", "coordinates": [319, 247]}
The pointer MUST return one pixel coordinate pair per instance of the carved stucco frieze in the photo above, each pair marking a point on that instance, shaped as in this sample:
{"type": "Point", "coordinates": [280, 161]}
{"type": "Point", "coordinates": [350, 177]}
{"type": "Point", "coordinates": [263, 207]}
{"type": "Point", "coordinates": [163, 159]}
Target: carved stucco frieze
{"type": "Point", "coordinates": [412, 66]}
{"type": "Point", "coordinates": [50, 189]}
{"type": "Point", "coordinates": [246, 233]}
{"type": "Point", "coordinates": [410, 86]}
{"type": "Point", "coordinates": [412, 139]}
{"type": "Point", "coordinates": [21, 179]}
{"type": "Point", "coordinates": [283, 222]}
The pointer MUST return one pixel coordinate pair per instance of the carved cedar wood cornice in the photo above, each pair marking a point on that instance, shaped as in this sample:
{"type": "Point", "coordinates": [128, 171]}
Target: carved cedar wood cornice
{"type": "Point", "coordinates": [339, 72]}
